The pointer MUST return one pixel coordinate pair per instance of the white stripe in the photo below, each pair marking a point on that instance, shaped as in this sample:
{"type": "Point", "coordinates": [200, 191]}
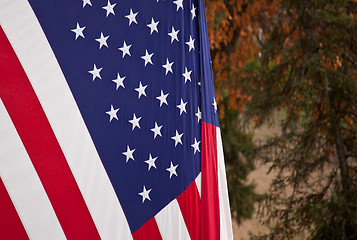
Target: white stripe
{"type": "Point", "coordinates": [171, 223]}
{"type": "Point", "coordinates": [198, 183]}
{"type": "Point", "coordinates": [24, 186]}
{"type": "Point", "coordinates": [34, 52]}
{"type": "Point", "coordinates": [225, 213]}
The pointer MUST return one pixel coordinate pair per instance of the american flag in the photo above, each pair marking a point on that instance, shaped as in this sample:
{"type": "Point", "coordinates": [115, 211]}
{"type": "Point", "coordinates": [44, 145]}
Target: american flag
{"type": "Point", "coordinates": [108, 122]}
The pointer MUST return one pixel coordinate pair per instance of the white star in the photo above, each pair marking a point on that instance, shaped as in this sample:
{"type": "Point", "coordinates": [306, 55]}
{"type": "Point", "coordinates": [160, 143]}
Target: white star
{"type": "Point", "coordinates": [182, 107]}
{"type": "Point", "coordinates": [129, 153]}
{"type": "Point", "coordinates": [141, 90]}
{"type": "Point", "coordinates": [156, 130]}
{"type": "Point", "coordinates": [198, 115]}
{"type": "Point", "coordinates": [132, 17]}
{"type": "Point", "coordinates": [172, 169]}
{"type": "Point", "coordinates": [102, 40]}
{"type": "Point", "coordinates": [214, 104]}
{"type": "Point", "coordinates": [191, 43]}
{"type": "Point", "coordinates": [78, 31]}
{"type": "Point", "coordinates": [195, 146]}
{"type": "Point", "coordinates": [112, 113]}
{"type": "Point", "coordinates": [109, 8]}
{"type": "Point", "coordinates": [96, 72]}
{"type": "Point", "coordinates": [135, 122]}
{"type": "Point", "coordinates": [162, 98]}
{"type": "Point", "coordinates": [173, 34]}
{"type": "Point", "coordinates": [178, 4]}
{"type": "Point", "coordinates": [145, 194]}
{"type": "Point", "coordinates": [153, 26]}
{"type": "Point", "coordinates": [168, 66]}
{"type": "Point", "coordinates": [119, 81]}
{"type": "Point", "coordinates": [151, 162]}
{"type": "Point", "coordinates": [193, 11]}
{"type": "Point", "coordinates": [187, 75]}
{"type": "Point", "coordinates": [177, 138]}
{"type": "Point", "coordinates": [85, 2]}
{"type": "Point", "coordinates": [147, 57]}
{"type": "Point", "coordinates": [125, 49]}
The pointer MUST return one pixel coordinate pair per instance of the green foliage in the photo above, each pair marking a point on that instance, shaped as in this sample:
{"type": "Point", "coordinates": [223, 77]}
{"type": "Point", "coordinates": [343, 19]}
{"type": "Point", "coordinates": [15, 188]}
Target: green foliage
{"type": "Point", "coordinates": [308, 69]}
{"type": "Point", "coordinates": [238, 153]}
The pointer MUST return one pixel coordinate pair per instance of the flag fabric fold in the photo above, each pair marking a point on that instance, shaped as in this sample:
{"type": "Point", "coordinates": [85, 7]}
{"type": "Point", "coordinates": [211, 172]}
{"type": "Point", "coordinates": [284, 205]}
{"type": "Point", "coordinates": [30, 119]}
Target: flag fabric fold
{"type": "Point", "coordinates": [109, 125]}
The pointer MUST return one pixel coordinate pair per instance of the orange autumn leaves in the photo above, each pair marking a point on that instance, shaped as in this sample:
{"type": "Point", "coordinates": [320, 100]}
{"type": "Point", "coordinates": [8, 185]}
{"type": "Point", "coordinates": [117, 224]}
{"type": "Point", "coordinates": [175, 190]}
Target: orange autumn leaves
{"type": "Point", "coordinates": [235, 31]}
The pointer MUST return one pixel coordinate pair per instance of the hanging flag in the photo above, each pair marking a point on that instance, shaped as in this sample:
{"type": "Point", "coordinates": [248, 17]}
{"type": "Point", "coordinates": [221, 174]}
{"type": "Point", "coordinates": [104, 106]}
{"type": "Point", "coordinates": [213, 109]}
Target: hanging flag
{"type": "Point", "coordinates": [108, 122]}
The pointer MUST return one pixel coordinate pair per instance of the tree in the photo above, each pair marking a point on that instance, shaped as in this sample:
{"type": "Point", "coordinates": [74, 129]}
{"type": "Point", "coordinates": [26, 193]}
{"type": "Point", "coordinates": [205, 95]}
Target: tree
{"type": "Point", "coordinates": [238, 153]}
{"type": "Point", "coordinates": [300, 57]}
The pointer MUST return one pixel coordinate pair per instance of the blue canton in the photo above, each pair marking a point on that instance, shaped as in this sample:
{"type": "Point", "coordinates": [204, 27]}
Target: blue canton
{"type": "Point", "coordinates": [134, 68]}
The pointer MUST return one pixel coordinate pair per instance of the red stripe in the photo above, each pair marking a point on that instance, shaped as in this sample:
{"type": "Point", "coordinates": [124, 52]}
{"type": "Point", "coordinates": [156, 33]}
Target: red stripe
{"type": "Point", "coordinates": [10, 224]}
{"type": "Point", "coordinates": [149, 231]}
{"type": "Point", "coordinates": [209, 184]}
{"type": "Point", "coordinates": [189, 202]}
{"type": "Point", "coordinates": [41, 144]}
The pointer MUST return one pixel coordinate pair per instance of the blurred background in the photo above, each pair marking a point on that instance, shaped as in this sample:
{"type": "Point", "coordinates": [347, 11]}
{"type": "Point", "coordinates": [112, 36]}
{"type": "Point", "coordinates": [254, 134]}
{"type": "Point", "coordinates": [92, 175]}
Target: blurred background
{"type": "Point", "coordinates": [286, 83]}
